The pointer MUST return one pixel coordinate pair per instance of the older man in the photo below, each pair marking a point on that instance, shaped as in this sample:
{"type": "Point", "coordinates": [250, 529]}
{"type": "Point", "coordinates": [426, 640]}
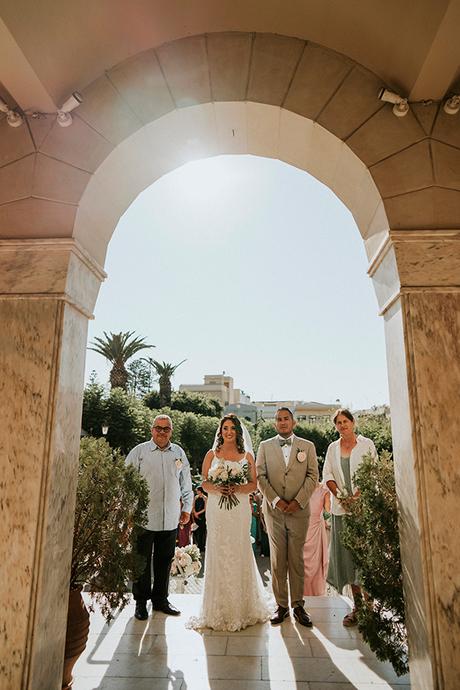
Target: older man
{"type": "Point", "coordinates": [166, 469]}
{"type": "Point", "coordinates": [287, 473]}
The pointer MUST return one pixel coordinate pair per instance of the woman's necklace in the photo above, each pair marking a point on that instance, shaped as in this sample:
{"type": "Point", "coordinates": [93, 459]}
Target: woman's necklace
{"type": "Point", "coordinates": [348, 444]}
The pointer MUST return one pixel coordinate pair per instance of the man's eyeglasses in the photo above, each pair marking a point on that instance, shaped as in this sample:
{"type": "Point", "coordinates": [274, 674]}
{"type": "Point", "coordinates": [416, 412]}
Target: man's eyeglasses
{"type": "Point", "coordinates": [162, 429]}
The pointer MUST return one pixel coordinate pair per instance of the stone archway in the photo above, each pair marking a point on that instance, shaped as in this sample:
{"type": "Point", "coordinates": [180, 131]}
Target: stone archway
{"type": "Point", "coordinates": [63, 192]}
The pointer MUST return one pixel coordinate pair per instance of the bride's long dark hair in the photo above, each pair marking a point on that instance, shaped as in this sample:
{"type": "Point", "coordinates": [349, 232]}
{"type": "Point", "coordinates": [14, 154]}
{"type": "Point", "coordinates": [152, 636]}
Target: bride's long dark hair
{"type": "Point", "coordinates": [238, 428]}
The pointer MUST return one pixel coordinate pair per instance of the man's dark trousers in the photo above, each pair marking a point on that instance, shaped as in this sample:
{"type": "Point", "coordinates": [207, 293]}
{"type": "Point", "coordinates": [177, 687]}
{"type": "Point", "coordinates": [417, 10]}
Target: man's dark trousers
{"type": "Point", "coordinates": [163, 545]}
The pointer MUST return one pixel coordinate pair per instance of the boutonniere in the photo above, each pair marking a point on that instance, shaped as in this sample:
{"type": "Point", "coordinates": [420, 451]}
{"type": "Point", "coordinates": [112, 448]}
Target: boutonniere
{"type": "Point", "coordinates": [301, 455]}
{"type": "Point", "coordinates": [179, 463]}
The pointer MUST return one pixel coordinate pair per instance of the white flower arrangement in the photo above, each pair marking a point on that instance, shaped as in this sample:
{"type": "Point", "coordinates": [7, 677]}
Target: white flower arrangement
{"type": "Point", "coordinates": [186, 561]}
{"type": "Point", "coordinates": [224, 474]}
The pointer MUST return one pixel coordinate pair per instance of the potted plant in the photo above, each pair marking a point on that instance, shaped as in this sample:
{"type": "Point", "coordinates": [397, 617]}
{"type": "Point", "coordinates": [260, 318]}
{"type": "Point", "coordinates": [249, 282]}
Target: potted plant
{"type": "Point", "coordinates": [111, 501]}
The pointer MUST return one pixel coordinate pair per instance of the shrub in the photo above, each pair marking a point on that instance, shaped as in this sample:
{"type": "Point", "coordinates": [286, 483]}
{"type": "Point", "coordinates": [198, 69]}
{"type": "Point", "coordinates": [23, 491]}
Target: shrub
{"type": "Point", "coordinates": [111, 501]}
{"type": "Point", "coordinates": [129, 421]}
{"type": "Point", "coordinates": [371, 534]}
{"type": "Point", "coordinates": [378, 428]}
{"type": "Point", "coordinates": [187, 402]}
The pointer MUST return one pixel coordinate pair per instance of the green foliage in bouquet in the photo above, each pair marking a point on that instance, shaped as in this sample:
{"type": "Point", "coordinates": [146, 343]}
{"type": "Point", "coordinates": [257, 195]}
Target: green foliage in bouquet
{"type": "Point", "coordinates": [371, 534]}
{"type": "Point", "coordinates": [111, 500]}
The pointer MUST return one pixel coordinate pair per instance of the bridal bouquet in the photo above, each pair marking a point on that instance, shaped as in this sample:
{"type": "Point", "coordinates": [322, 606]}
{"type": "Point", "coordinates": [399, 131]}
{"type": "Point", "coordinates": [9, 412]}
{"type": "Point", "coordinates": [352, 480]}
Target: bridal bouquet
{"type": "Point", "coordinates": [186, 561]}
{"type": "Point", "coordinates": [226, 474]}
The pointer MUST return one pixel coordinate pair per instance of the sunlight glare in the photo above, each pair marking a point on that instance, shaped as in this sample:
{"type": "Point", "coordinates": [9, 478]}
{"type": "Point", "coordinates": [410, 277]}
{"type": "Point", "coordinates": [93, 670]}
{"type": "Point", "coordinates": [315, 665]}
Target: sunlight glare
{"type": "Point", "coordinates": [207, 181]}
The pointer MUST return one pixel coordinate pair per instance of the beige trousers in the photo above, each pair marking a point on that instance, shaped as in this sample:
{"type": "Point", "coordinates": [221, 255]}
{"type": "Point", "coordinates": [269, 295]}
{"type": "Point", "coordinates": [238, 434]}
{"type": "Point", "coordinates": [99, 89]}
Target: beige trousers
{"type": "Point", "coordinates": [286, 533]}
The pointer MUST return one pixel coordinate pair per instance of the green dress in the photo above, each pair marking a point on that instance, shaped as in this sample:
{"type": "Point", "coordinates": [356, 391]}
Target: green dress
{"type": "Point", "coordinates": [342, 569]}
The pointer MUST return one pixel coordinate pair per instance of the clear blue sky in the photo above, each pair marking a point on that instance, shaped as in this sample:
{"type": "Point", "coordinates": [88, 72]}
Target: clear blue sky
{"type": "Point", "coordinates": [249, 266]}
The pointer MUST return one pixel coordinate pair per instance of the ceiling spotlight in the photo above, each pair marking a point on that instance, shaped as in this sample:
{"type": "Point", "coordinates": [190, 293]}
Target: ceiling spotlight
{"type": "Point", "coordinates": [13, 118]}
{"type": "Point", "coordinates": [452, 105]}
{"type": "Point", "coordinates": [64, 117]}
{"type": "Point", "coordinates": [400, 104]}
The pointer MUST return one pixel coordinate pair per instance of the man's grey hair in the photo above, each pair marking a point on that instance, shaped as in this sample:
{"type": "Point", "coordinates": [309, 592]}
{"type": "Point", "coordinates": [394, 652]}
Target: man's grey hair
{"type": "Point", "coordinates": [162, 416]}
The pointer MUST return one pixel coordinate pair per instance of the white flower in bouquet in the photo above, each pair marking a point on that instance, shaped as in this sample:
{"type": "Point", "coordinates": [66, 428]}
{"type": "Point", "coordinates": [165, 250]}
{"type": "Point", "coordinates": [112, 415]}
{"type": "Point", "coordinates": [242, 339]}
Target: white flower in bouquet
{"type": "Point", "coordinates": [228, 476]}
{"type": "Point", "coordinates": [194, 552]}
{"type": "Point", "coordinates": [184, 560]}
{"type": "Point", "coordinates": [215, 472]}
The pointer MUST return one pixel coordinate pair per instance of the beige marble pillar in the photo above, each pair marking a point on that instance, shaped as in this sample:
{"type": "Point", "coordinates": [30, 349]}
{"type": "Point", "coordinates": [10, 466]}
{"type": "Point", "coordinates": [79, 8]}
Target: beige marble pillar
{"type": "Point", "coordinates": [48, 290]}
{"type": "Point", "coordinates": [417, 279]}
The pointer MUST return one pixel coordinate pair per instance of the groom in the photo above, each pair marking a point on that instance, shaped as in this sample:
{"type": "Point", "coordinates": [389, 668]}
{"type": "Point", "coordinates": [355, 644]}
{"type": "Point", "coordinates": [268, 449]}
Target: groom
{"type": "Point", "coordinates": [287, 473]}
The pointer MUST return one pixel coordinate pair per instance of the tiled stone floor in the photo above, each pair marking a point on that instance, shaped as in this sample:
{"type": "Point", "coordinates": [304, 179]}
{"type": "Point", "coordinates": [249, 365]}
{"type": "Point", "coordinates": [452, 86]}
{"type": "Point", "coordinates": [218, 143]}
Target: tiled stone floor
{"type": "Point", "coordinates": [161, 654]}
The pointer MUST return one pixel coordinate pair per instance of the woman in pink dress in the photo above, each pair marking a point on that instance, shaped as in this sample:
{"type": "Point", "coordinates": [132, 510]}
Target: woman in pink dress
{"type": "Point", "coordinates": [315, 550]}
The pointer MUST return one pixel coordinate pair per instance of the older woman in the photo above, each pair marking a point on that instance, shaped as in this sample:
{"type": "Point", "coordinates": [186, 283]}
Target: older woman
{"type": "Point", "coordinates": [343, 458]}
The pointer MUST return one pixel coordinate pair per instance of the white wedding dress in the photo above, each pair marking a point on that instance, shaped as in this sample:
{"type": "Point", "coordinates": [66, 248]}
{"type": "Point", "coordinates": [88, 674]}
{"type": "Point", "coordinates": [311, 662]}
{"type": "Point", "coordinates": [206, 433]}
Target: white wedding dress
{"type": "Point", "coordinates": [233, 593]}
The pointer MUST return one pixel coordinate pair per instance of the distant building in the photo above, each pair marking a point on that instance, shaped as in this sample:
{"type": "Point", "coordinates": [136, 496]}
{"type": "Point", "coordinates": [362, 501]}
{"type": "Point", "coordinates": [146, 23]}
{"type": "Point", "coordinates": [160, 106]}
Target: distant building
{"type": "Point", "coordinates": [218, 386]}
{"type": "Point", "coordinates": [244, 410]}
{"type": "Point", "coordinates": [375, 410]}
{"type": "Point", "coordinates": [303, 411]}
{"type": "Point", "coordinates": [221, 387]}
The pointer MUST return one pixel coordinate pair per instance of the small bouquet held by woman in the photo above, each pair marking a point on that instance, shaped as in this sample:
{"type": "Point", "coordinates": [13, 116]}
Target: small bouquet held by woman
{"type": "Point", "coordinates": [225, 475]}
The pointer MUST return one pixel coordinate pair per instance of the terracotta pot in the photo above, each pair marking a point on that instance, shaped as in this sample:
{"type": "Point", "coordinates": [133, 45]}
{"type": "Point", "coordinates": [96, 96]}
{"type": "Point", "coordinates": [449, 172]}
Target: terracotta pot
{"type": "Point", "coordinates": [76, 636]}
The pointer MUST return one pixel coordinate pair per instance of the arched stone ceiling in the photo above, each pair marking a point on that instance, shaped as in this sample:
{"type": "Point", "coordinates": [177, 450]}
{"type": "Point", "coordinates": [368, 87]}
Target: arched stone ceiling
{"type": "Point", "coordinates": [413, 46]}
{"type": "Point", "coordinates": [213, 129]}
{"type": "Point", "coordinates": [44, 169]}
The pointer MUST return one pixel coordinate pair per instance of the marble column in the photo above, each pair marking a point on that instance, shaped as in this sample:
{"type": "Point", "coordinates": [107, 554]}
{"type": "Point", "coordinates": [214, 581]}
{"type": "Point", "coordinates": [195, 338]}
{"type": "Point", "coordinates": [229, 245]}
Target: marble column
{"type": "Point", "coordinates": [48, 289]}
{"type": "Point", "coordinates": [416, 275]}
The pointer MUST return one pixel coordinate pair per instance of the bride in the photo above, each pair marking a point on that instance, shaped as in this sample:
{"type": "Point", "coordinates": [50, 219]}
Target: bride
{"type": "Point", "coordinates": [233, 593]}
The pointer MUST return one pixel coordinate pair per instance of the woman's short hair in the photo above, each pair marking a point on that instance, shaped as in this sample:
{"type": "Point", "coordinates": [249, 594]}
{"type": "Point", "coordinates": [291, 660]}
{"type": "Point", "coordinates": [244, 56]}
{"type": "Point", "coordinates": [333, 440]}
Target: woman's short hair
{"type": "Point", "coordinates": [346, 413]}
{"type": "Point", "coordinates": [238, 428]}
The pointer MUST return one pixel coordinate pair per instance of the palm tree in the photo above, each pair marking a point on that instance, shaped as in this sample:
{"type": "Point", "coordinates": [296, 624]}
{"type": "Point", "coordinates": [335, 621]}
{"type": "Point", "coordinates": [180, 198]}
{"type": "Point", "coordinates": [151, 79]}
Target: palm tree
{"type": "Point", "coordinates": [165, 372]}
{"type": "Point", "coordinates": [117, 348]}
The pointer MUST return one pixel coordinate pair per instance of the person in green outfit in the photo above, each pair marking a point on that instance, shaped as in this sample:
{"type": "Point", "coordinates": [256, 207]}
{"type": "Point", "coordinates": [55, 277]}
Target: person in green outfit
{"type": "Point", "coordinates": [343, 458]}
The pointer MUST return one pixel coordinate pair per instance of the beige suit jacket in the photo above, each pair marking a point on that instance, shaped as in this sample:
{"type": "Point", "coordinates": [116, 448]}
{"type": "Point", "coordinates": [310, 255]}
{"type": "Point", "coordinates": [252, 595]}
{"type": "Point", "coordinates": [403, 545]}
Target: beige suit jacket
{"type": "Point", "coordinates": [296, 481]}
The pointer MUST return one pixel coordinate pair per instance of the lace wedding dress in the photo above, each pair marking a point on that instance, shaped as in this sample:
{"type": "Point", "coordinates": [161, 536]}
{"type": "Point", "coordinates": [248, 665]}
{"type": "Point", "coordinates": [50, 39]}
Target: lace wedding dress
{"type": "Point", "coordinates": [233, 593]}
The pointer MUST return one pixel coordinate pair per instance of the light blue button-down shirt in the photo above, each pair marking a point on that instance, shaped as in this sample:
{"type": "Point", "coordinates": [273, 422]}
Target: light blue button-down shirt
{"type": "Point", "coordinates": [167, 473]}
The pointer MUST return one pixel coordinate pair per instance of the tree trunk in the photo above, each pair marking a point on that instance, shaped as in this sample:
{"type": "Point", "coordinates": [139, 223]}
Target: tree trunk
{"type": "Point", "coordinates": [119, 377]}
{"type": "Point", "coordinates": [165, 391]}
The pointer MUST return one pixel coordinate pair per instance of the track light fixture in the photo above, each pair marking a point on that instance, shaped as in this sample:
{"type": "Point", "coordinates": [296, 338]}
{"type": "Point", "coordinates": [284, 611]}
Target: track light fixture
{"type": "Point", "coordinates": [400, 104]}
{"type": "Point", "coordinates": [64, 117]}
{"type": "Point", "coordinates": [452, 105]}
{"type": "Point", "coordinates": [13, 118]}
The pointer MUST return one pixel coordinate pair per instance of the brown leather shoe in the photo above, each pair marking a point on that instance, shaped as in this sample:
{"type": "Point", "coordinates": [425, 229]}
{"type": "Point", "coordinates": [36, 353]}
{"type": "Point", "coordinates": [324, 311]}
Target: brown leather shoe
{"type": "Point", "coordinates": [302, 616]}
{"type": "Point", "coordinates": [280, 615]}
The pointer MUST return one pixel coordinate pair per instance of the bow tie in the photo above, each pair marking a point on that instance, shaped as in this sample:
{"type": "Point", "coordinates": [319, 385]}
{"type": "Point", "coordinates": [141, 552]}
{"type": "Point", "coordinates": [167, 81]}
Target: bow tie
{"type": "Point", "coordinates": [285, 442]}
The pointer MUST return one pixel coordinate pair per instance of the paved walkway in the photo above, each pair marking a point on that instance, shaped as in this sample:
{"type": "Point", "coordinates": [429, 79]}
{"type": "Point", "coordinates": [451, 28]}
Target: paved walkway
{"type": "Point", "coordinates": [161, 654]}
